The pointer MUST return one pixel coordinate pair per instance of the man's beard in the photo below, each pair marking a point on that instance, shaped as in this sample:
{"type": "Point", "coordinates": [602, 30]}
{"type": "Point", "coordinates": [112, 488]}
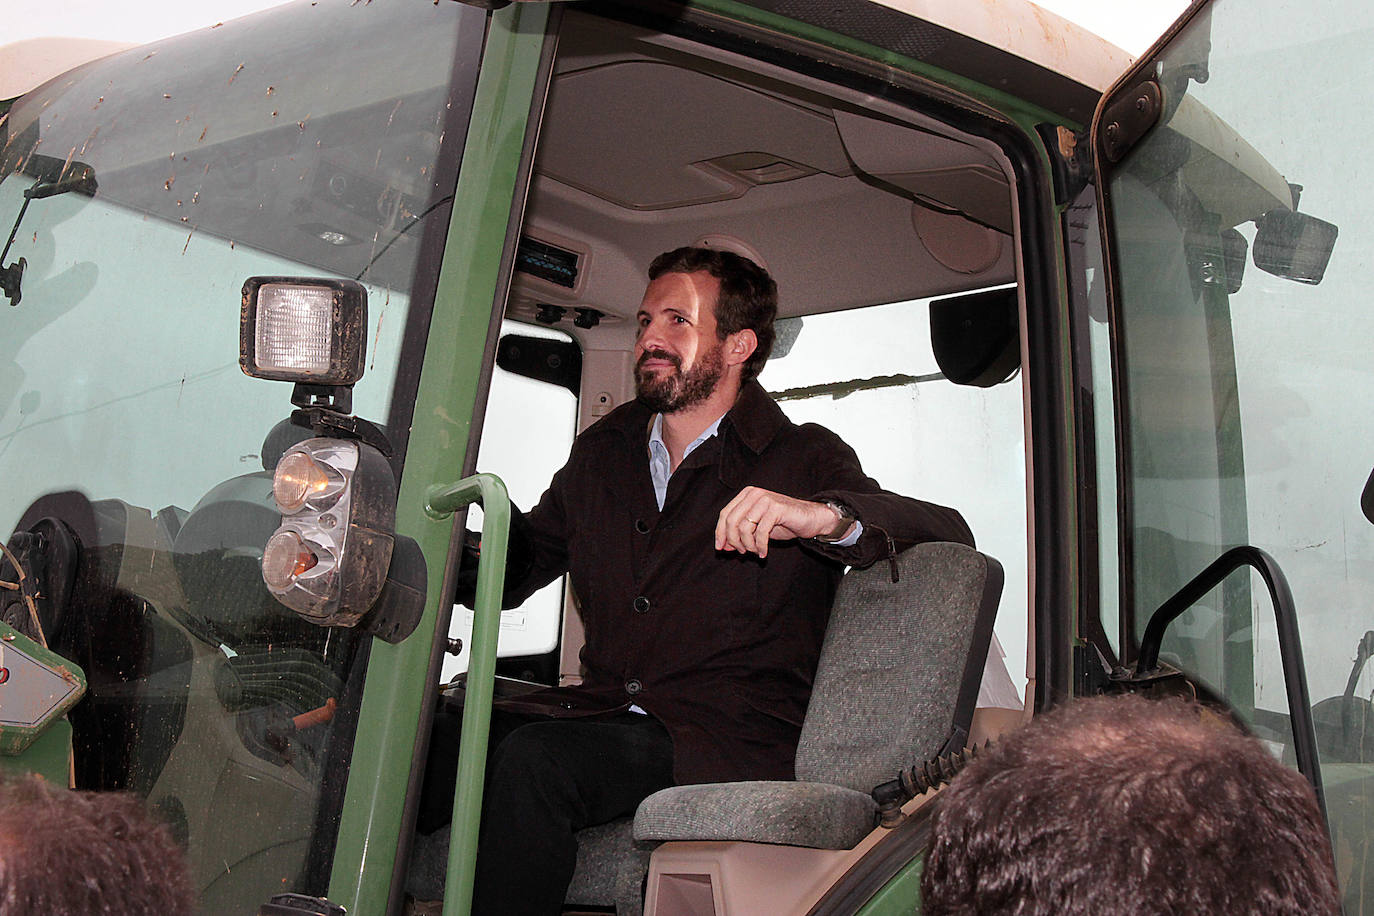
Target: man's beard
{"type": "Point", "coordinates": [677, 390]}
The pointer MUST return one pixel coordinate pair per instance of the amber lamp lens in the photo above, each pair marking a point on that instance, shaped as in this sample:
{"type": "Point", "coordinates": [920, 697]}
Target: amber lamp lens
{"type": "Point", "coordinates": [298, 477]}
{"type": "Point", "coordinates": [286, 557]}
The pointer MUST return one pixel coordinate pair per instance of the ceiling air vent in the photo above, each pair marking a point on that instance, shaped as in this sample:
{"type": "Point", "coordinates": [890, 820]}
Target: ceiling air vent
{"type": "Point", "coordinates": [550, 263]}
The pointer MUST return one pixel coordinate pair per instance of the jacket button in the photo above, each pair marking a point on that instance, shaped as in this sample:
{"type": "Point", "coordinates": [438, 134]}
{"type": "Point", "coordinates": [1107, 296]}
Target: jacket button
{"type": "Point", "coordinates": [567, 704]}
{"type": "Point", "coordinates": [641, 526]}
{"type": "Point", "coordinates": [641, 605]}
{"type": "Point", "coordinates": [633, 686]}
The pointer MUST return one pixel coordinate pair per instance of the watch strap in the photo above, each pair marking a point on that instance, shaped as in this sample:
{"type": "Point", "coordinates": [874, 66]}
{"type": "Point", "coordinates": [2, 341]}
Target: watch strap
{"type": "Point", "coordinates": [847, 520]}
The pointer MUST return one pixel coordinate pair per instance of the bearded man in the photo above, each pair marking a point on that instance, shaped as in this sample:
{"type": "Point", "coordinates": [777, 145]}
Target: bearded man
{"type": "Point", "coordinates": [705, 535]}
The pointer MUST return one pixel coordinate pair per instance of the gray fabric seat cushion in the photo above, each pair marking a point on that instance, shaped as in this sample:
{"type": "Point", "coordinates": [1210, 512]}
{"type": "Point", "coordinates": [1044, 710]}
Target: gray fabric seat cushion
{"type": "Point", "coordinates": [818, 815]}
{"type": "Point", "coordinates": [428, 866]}
{"type": "Point", "coordinates": [610, 868]}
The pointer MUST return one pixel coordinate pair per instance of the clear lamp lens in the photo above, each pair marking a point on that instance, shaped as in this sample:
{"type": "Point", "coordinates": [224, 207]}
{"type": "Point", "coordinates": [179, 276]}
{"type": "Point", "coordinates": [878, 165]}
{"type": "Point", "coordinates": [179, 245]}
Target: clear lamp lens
{"type": "Point", "coordinates": [298, 477]}
{"type": "Point", "coordinates": [294, 328]}
{"type": "Point", "coordinates": [286, 557]}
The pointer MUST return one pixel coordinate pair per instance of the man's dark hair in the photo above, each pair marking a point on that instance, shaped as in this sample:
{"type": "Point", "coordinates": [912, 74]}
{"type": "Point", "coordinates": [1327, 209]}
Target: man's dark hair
{"type": "Point", "coordinates": [92, 853]}
{"type": "Point", "coordinates": [748, 295]}
{"type": "Point", "coordinates": [1126, 805]}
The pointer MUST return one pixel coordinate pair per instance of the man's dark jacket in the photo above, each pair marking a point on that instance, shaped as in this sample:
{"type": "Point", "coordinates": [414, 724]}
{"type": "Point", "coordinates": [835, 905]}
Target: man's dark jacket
{"type": "Point", "coordinates": [720, 647]}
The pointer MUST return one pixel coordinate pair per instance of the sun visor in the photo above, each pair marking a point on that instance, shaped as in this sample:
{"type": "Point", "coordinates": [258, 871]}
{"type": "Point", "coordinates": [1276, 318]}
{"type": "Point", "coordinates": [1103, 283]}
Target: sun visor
{"type": "Point", "coordinates": [940, 172]}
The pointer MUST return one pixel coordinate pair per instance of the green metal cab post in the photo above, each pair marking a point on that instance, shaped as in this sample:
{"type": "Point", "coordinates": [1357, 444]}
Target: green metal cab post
{"type": "Point", "coordinates": [1164, 451]}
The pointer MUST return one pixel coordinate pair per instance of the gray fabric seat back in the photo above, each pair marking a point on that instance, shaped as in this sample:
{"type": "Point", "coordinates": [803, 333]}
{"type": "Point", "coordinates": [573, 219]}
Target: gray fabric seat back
{"type": "Point", "coordinates": [900, 666]}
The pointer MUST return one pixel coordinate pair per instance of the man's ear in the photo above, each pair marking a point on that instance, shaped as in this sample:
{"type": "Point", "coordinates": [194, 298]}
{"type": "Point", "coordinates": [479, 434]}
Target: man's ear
{"type": "Point", "coordinates": [739, 346]}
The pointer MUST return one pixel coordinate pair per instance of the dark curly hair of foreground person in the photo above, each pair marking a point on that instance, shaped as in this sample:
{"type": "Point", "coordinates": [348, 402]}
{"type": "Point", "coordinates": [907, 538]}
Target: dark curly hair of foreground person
{"type": "Point", "coordinates": [66, 853]}
{"type": "Point", "coordinates": [1127, 805]}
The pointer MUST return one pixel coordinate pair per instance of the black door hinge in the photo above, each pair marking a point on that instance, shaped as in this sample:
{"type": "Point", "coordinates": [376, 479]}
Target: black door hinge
{"type": "Point", "coordinates": [1130, 118]}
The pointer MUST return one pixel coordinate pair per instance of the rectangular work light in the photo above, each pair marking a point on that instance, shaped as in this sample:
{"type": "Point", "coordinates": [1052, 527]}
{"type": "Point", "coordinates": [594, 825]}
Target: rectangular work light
{"type": "Point", "coordinates": [306, 330]}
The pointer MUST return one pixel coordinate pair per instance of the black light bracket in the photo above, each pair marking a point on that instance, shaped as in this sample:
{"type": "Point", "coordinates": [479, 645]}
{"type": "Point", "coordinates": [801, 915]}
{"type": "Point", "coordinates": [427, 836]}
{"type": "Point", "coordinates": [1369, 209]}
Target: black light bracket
{"type": "Point", "coordinates": [330, 423]}
{"type": "Point", "coordinates": [337, 398]}
{"type": "Point", "coordinates": [398, 609]}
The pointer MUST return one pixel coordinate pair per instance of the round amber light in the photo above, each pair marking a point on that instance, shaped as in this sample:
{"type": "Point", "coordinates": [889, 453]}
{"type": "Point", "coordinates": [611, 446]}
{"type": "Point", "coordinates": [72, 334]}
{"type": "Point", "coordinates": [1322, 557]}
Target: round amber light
{"type": "Point", "coordinates": [284, 558]}
{"type": "Point", "coordinates": [298, 477]}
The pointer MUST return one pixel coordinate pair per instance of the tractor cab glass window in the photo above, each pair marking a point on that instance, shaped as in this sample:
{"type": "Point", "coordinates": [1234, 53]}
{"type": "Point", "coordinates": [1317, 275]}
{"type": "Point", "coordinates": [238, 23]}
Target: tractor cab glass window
{"type": "Point", "coordinates": [532, 418]}
{"type": "Point", "coordinates": [930, 417]}
{"type": "Point", "coordinates": [146, 187]}
{"type": "Point", "coordinates": [1238, 232]}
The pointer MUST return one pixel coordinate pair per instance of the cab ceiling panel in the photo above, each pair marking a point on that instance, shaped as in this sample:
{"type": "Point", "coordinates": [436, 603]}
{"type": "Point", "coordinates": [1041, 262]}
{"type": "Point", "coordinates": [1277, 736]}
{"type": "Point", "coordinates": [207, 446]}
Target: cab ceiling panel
{"type": "Point", "coordinates": [831, 243]}
{"type": "Point", "coordinates": [651, 136]}
{"type": "Point", "coordinates": [646, 146]}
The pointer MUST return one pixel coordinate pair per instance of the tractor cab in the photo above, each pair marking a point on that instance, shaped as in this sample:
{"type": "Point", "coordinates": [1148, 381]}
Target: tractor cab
{"type": "Point", "coordinates": [293, 304]}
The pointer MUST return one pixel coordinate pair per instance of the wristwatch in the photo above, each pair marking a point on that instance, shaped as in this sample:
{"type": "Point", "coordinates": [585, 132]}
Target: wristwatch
{"type": "Point", "coordinates": [847, 520]}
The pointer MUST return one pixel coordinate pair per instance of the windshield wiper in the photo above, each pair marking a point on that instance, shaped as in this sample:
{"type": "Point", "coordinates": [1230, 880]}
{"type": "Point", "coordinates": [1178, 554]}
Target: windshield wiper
{"type": "Point", "coordinates": [54, 176]}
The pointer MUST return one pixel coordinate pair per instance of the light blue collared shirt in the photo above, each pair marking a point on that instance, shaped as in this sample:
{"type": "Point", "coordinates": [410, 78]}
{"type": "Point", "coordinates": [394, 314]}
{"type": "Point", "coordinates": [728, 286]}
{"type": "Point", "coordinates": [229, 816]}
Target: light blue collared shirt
{"type": "Point", "coordinates": [660, 467]}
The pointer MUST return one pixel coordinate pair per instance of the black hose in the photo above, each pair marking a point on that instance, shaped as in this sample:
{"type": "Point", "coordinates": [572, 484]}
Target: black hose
{"type": "Point", "coordinates": [920, 779]}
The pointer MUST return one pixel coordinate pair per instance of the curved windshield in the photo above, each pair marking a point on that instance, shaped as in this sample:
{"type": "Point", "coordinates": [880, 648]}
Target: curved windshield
{"type": "Point", "coordinates": [314, 140]}
{"type": "Point", "coordinates": [1242, 334]}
